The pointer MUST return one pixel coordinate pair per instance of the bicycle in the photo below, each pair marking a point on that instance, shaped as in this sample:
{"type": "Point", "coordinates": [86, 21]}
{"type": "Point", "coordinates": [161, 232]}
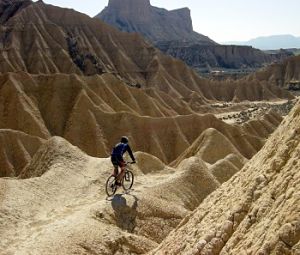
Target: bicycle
{"type": "Point", "coordinates": [126, 182]}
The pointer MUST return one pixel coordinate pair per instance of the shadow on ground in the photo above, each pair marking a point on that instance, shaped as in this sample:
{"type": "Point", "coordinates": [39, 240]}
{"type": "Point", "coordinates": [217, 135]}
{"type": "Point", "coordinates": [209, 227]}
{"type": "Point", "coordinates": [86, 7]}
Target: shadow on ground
{"type": "Point", "coordinates": [125, 211]}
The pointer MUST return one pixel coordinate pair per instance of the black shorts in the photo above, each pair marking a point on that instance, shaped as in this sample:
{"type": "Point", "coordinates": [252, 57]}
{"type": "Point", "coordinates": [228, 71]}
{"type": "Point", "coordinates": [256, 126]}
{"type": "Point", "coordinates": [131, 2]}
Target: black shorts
{"type": "Point", "coordinates": [117, 160]}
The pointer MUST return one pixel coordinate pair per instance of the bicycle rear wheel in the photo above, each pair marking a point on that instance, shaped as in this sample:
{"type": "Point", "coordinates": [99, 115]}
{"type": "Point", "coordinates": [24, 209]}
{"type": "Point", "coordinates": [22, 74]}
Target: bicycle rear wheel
{"type": "Point", "coordinates": [128, 180]}
{"type": "Point", "coordinates": [111, 186]}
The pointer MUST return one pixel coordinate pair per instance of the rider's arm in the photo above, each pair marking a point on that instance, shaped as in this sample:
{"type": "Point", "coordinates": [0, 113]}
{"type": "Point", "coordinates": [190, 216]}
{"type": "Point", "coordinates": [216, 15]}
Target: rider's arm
{"type": "Point", "coordinates": [130, 153]}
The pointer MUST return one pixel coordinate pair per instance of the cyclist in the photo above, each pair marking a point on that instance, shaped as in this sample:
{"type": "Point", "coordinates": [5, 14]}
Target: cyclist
{"type": "Point", "coordinates": [117, 158]}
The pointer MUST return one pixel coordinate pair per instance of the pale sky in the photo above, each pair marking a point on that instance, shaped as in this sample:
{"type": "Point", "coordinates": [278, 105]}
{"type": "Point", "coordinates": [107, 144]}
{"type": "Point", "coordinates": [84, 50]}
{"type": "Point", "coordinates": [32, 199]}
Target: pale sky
{"type": "Point", "coordinates": [221, 20]}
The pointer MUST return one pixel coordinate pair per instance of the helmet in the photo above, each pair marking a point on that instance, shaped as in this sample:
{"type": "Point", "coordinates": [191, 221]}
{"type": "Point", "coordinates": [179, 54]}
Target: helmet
{"type": "Point", "coordinates": [124, 139]}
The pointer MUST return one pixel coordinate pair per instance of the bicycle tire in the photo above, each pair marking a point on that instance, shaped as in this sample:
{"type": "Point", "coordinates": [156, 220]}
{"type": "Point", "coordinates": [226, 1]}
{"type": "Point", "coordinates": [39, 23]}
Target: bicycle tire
{"type": "Point", "coordinates": [128, 179]}
{"type": "Point", "coordinates": [110, 186]}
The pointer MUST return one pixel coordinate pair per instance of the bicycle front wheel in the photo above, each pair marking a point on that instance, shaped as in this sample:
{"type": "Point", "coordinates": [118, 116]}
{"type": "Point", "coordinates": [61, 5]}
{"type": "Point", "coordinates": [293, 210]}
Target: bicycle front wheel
{"type": "Point", "coordinates": [111, 186]}
{"type": "Point", "coordinates": [128, 180]}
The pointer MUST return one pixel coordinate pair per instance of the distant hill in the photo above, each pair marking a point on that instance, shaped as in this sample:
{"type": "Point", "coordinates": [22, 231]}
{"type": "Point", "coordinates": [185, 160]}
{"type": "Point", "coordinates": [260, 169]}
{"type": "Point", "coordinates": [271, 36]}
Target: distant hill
{"type": "Point", "coordinates": [155, 24]}
{"type": "Point", "coordinates": [271, 42]}
{"type": "Point", "coordinates": [222, 56]}
{"type": "Point", "coordinates": [294, 51]}
{"type": "Point", "coordinates": [172, 32]}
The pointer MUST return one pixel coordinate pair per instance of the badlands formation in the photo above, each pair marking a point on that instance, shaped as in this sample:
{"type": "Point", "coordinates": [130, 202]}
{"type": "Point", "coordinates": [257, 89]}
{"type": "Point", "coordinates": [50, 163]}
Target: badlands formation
{"type": "Point", "coordinates": [172, 32]}
{"type": "Point", "coordinates": [94, 112]}
{"type": "Point", "coordinates": [285, 74]}
{"type": "Point", "coordinates": [70, 86]}
{"type": "Point", "coordinates": [256, 212]}
{"type": "Point", "coordinates": [60, 206]}
{"type": "Point", "coordinates": [65, 74]}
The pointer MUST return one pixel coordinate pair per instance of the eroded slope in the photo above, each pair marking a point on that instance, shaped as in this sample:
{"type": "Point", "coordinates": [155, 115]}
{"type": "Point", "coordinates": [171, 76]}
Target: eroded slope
{"type": "Point", "coordinates": [40, 38]}
{"type": "Point", "coordinates": [256, 211]}
{"type": "Point", "coordinates": [63, 209]}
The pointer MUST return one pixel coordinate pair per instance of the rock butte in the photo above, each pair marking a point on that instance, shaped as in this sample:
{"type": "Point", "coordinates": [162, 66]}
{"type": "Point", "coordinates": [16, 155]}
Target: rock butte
{"type": "Point", "coordinates": [172, 32]}
{"type": "Point", "coordinates": [70, 86]}
{"type": "Point", "coordinates": [155, 24]}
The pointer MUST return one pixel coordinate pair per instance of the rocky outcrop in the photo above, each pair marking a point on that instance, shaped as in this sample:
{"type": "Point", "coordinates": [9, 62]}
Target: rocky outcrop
{"type": "Point", "coordinates": [51, 152]}
{"type": "Point", "coordinates": [16, 151]}
{"type": "Point", "coordinates": [74, 86]}
{"type": "Point", "coordinates": [223, 56]}
{"type": "Point", "coordinates": [256, 211]}
{"type": "Point", "coordinates": [155, 24]}
{"type": "Point", "coordinates": [40, 38]}
{"type": "Point", "coordinates": [57, 40]}
{"type": "Point", "coordinates": [41, 98]}
{"type": "Point", "coordinates": [83, 110]}
{"type": "Point", "coordinates": [69, 211]}
{"type": "Point", "coordinates": [9, 8]}
{"type": "Point", "coordinates": [172, 33]}
{"type": "Point", "coordinates": [210, 146]}
{"type": "Point", "coordinates": [285, 74]}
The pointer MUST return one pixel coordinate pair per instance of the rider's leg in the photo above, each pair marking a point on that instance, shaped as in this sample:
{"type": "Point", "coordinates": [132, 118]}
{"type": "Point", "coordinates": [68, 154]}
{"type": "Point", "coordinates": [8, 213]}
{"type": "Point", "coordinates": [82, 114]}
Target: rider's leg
{"type": "Point", "coordinates": [115, 163]}
{"type": "Point", "coordinates": [121, 174]}
{"type": "Point", "coordinates": [116, 171]}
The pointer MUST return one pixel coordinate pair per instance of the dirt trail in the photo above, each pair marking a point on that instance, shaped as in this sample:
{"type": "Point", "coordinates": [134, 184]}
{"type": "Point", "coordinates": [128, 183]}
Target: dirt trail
{"type": "Point", "coordinates": [35, 211]}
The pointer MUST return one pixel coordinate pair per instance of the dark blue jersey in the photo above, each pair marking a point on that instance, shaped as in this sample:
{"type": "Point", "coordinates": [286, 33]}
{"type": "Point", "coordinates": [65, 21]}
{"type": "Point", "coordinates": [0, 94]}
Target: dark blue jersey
{"type": "Point", "coordinates": [120, 149]}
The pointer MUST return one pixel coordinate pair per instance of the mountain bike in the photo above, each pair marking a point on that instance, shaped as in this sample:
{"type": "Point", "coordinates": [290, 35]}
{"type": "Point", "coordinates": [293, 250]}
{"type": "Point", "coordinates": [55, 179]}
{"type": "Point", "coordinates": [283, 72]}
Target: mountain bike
{"type": "Point", "coordinates": [126, 182]}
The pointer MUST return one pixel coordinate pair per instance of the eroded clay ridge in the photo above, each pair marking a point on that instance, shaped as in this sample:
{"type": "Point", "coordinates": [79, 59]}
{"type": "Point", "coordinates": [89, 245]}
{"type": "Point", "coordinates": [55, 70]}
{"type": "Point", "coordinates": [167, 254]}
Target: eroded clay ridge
{"type": "Point", "coordinates": [285, 74]}
{"type": "Point", "coordinates": [40, 38]}
{"type": "Point", "coordinates": [256, 211]}
{"type": "Point", "coordinates": [83, 110]}
{"type": "Point", "coordinates": [63, 210]}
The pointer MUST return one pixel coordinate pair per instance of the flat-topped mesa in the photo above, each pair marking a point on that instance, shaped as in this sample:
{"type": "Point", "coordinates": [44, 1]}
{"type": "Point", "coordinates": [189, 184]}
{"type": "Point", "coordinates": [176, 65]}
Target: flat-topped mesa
{"type": "Point", "coordinates": [143, 11]}
{"type": "Point", "coordinates": [155, 24]}
{"type": "Point", "coordinates": [185, 15]}
{"type": "Point", "coordinates": [120, 4]}
{"type": "Point", "coordinates": [130, 7]}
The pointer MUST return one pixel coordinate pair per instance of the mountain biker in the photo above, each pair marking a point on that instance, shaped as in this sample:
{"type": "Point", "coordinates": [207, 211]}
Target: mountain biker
{"type": "Point", "coordinates": [117, 158]}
